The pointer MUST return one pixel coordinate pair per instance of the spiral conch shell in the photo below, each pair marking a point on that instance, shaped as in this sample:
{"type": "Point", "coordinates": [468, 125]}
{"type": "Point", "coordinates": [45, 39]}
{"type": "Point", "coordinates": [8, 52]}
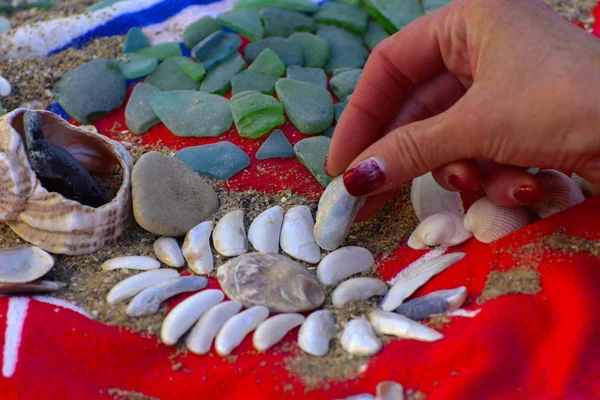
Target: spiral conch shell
{"type": "Point", "coordinates": [47, 219]}
{"type": "Point", "coordinates": [488, 221]}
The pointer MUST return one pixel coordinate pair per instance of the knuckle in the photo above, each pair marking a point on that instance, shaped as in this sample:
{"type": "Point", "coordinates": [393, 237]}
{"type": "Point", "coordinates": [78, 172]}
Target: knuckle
{"type": "Point", "coordinates": [409, 151]}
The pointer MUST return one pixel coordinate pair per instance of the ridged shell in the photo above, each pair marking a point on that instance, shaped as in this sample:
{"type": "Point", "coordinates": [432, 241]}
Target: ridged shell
{"type": "Point", "coordinates": [488, 221]}
{"type": "Point", "coordinates": [588, 188]}
{"type": "Point", "coordinates": [560, 193]}
{"type": "Point", "coordinates": [47, 219]}
{"type": "Point", "coordinates": [429, 198]}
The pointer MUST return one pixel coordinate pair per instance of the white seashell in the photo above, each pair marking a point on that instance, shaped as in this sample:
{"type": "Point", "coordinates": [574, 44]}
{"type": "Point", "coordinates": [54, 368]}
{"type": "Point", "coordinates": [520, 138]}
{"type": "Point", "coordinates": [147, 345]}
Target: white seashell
{"type": "Point", "coordinates": [31, 287]}
{"type": "Point", "coordinates": [316, 332]}
{"type": "Point", "coordinates": [134, 284]}
{"type": "Point", "coordinates": [203, 333]}
{"type": "Point", "coordinates": [142, 263]}
{"type": "Point", "coordinates": [490, 222]}
{"type": "Point", "coordinates": [359, 339]}
{"type": "Point", "coordinates": [148, 301]}
{"type": "Point", "coordinates": [168, 252]}
{"type": "Point", "coordinates": [297, 237]}
{"type": "Point", "coordinates": [47, 219]}
{"type": "Point", "coordinates": [357, 289]}
{"type": "Point", "coordinates": [389, 390]}
{"type": "Point", "coordinates": [271, 331]}
{"type": "Point", "coordinates": [342, 263]}
{"type": "Point", "coordinates": [388, 323]}
{"type": "Point", "coordinates": [185, 314]}
{"type": "Point", "coordinates": [237, 327]}
{"type": "Point", "coordinates": [5, 88]}
{"type": "Point", "coordinates": [337, 211]}
{"type": "Point", "coordinates": [265, 230]}
{"type": "Point", "coordinates": [229, 236]}
{"type": "Point", "coordinates": [429, 198]}
{"type": "Point", "coordinates": [439, 302]}
{"type": "Point", "coordinates": [24, 264]}
{"type": "Point", "coordinates": [196, 248]}
{"type": "Point", "coordinates": [414, 278]}
{"type": "Point", "coordinates": [560, 193]}
{"type": "Point", "coordinates": [444, 228]}
{"type": "Point", "coordinates": [589, 189]}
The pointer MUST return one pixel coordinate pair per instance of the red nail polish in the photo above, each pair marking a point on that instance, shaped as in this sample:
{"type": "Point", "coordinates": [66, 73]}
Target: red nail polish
{"type": "Point", "coordinates": [325, 165]}
{"type": "Point", "coordinates": [364, 178]}
{"type": "Point", "coordinates": [527, 194]}
{"type": "Point", "coordinates": [456, 183]}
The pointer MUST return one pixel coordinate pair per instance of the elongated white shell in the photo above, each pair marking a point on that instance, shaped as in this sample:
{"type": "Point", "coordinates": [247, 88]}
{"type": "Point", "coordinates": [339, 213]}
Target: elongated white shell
{"type": "Point", "coordinates": [24, 264]}
{"type": "Point", "coordinates": [389, 390]}
{"type": "Point", "coordinates": [31, 287]}
{"type": "Point", "coordinates": [488, 221]}
{"type": "Point", "coordinates": [297, 237]}
{"type": "Point", "coordinates": [357, 289]}
{"type": "Point", "coordinates": [388, 323]}
{"type": "Point", "coordinates": [416, 277]}
{"type": "Point", "coordinates": [560, 193]}
{"type": "Point", "coordinates": [337, 210]}
{"type": "Point", "coordinates": [186, 314]}
{"type": "Point", "coordinates": [359, 339]}
{"type": "Point", "coordinates": [439, 302]}
{"type": "Point", "coordinates": [202, 335]}
{"type": "Point", "coordinates": [229, 236]}
{"type": "Point", "coordinates": [444, 228]}
{"type": "Point", "coordinates": [196, 248]}
{"type": "Point", "coordinates": [429, 198]}
{"type": "Point", "coordinates": [316, 332]}
{"type": "Point", "coordinates": [168, 252]}
{"type": "Point", "coordinates": [342, 263]}
{"type": "Point", "coordinates": [237, 327]}
{"type": "Point", "coordinates": [134, 284]}
{"type": "Point", "coordinates": [142, 263]}
{"type": "Point", "coordinates": [265, 230]}
{"type": "Point", "coordinates": [148, 301]}
{"type": "Point", "coordinates": [589, 189]}
{"type": "Point", "coordinates": [271, 331]}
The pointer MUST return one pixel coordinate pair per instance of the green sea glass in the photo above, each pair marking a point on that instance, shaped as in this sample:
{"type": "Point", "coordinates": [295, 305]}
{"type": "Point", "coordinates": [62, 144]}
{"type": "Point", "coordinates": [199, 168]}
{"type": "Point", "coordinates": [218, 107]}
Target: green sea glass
{"type": "Point", "coordinates": [199, 30]}
{"type": "Point", "coordinates": [312, 153]}
{"type": "Point", "coordinates": [139, 115]}
{"type": "Point", "coordinates": [316, 76]}
{"type": "Point", "coordinates": [343, 15]}
{"type": "Point", "coordinates": [135, 40]}
{"type": "Point", "coordinates": [194, 70]}
{"type": "Point", "coordinates": [394, 15]}
{"type": "Point", "coordinates": [309, 107]}
{"type": "Point", "coordinates": [255, 113]}
{"type": "Point", "coordinates": [216, 48]}
{"type": "Point", "coordinates": [346, 49]}
{"type": "Point", "coordinates": [135, 66]}
{"type": "Point", "coordinates": [375, 34]}
{"type": "Point", "coordinates": [218, 80]}
{"type": "Point", "coordinates": [247, 80]}
{"type": "Point", "coordinates": [283, 23]}
{"type": "Point", "coordinates": [314, 48]}
{"type": "Point", "coordinates": [267, 63]}
{"type": "Point", "coordinates": [245, 22]}
{"type": "Point", "coordinates": [162, 51]}
{"type": "Point", "coordinates": [297, 5]}
{"type": "Point", "coordinates": [338, 109]}
{"type": "Point", "coordinates": [220, 160]}
{"type": "Point", "coordinates": [288, 51]}
{"type": "Point", "coordinates": [343, 84]}
{"type": "Point", "coordinates": [169, 76]}
{"type": "Point", "coordinates": [276, 146]}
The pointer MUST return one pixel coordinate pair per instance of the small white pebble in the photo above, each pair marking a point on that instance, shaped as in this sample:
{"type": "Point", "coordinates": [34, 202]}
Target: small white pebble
{"type": "Point", "coordinates": [5, 88]}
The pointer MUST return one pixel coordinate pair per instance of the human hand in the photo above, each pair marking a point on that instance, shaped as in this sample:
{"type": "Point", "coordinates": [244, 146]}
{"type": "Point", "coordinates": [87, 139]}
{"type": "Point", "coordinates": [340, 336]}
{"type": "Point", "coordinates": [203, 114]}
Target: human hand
{"type": "Point", "coordinates": [476, 92]}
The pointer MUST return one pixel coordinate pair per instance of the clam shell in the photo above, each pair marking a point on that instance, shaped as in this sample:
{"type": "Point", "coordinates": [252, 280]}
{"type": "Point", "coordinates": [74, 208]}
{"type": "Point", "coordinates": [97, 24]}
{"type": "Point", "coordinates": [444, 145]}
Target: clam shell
{"type": "Point", "coordinates": [168, 252]}
{"type": "Point", "coordinates": [24, 264]}
{"type": "Point", "coordinates": [429, 198]}
{"type": "Point", "coordinates": [265, 230]}
{"type": "Point", "coordinates": [316, 332]}
{"type": "Point", "coordinates": [342, 263]}
{"type": "Point", "coordinates": [490, 222]}
{"type": "Point", "coordinates": [389, 390]}
{"type": "Point", "coordinates": [229, 236]}
{"type": "Point", "coordinates": [560, 193]}
{"type": "Point", "coordinates": [589, 189]}
{"type": "Point", "coordinates": [297, 237]}
{"type": "Point", "coordinates": [47, 219]}
{"type": "Point", "coordinates": [445, 228]}
{"type": "Point", "coordinates": [336, 213]}
{"type": "Point", "coordinates": [359, 339]}
{"type": "Point", "coordinates": [196, 248]}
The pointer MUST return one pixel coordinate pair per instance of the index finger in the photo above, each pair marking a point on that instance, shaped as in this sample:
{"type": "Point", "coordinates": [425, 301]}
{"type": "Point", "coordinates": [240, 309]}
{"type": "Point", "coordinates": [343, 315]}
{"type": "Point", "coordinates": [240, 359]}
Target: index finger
{"type": "Point", "coordinates": [397, 63]}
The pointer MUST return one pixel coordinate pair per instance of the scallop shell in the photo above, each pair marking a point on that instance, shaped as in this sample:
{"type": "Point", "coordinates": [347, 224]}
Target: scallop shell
{"type": "Point", "coordinates": [47, 219]}
{"type": "Point", "coordinates": [560, 193]}
{"type": "Point", "coordinates": [488, 221]}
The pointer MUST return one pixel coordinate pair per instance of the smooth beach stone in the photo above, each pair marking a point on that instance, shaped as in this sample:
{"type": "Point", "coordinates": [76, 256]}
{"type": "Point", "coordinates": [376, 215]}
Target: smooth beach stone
{"type": "Point", "coordinates": [375, 34]}
{"type": "Point", "coordinates": [308, 106]}
{"type": "Point", "coordinates": [276, 146]}
{"type": "Point", "coordinates": [139, 115]}
{"type": "Point", "coordinates": [199, 30]}
{"type": "Point", "coordinates": [216, 48]}
{"type": "Point", "coordinates": [329, 132]}
{"type": "Point", "coordinates": [288, 51]}
{"type": "Point", "coordinates": [4, 24]}
{"type": "Point", "coordinates": [218, 80]}
{"type": "Point", "coordinates": [267, 63]}
{"type": "Point", "coordinates": [194, 70]}
{"type": "Point", "coordinates": [344, 83]}
{"type": "Point", "coordinates": [346, 48]}
{"type": "Point", "coordinates": [169, 76]}
{"type": "Point", "coordinates": [432, 5]}
{"type": "Point", "coordinates": [316, 76]}
{"type": "Point", "coordinates": [162, 51]}
{"type": "Point", "coordinates": [255, 113]}
{"type": "Point", "coordinates": [135, 66]}
{"type": "Point", "coordinates": [91, 90]}
{"type": "Point", "coordinates": [297, 5]}
{"type": "Point", "coordinates": [220, 160]}
{"type": "Point", "coordinates": [312, 153]}
{"type": "Point", "coordinates": [135, 40]}
{"type": "Point", "coordinates": [343, 15]}
{"type": "Point", "coordinates": [245, 22]}
{"type": "Point", "coordinates": [274, 281]}
{"type": "Point", "coordinates": [247, 80]}
{"type": "Point", "coordinates": [191, 113]}
{"type": "Point", "coordinates": [169, 199]}
{"type": "Point", "coordinates": [280, 22]}
{"type": "Point", "coordinates": [338, 109]}
{"type": "Point", "coordinates": [394, 15]}
{"type": "Point", "coordinates": [314, 48]}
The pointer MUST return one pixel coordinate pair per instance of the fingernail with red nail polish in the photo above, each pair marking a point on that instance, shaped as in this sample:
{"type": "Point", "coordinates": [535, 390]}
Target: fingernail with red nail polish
{"type": "Point", "coordinates": [527, 194]}
{"type": "Point", "coordinates": [365, 177]}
